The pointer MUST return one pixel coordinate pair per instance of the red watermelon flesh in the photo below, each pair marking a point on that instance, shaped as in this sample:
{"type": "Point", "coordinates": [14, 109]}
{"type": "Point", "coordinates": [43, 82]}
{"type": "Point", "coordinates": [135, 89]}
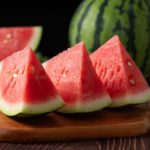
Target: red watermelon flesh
{"type": "Point", "coordinates": [25, 88]}
{"type": "Point", "coordinates": [75, 79]}
{"type": "Point", "coordinates": [119, 74]}
{"type": "Point", "coordinates": [13, 39]}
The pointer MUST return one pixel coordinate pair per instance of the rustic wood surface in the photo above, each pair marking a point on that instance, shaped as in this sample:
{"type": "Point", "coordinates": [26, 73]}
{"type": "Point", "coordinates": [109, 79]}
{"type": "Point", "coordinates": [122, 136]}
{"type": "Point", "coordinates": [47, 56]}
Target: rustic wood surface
{"type": "Point", "coordinates": [126, 143]}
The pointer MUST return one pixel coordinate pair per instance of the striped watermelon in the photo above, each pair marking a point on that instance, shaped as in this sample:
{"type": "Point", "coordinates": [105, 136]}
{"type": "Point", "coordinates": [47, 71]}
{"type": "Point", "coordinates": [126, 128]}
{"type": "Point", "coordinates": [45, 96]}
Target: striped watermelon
{"type": "Point", "coordinates": [96, 21]}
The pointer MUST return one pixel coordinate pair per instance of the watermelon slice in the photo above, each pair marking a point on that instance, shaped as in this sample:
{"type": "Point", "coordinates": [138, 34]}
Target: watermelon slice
{"type": "Point", "coordinates": [119, 74]}
{"type": "Point", "coordinates": [25, 88]}
{"type": "Point", "coordinates": [13, 39]}
{"type": "Point", "coordinates": [75, 79]}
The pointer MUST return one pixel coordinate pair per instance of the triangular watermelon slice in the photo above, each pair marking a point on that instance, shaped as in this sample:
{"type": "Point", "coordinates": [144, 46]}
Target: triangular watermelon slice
{"type": "Point", "coordinates": [75, 79]}
{"type": "Point", "coordinates": [25, 88]}
{"type": "Point", "coordinates": [13, 39]}
{"type": "Point", "coordinates": [119, 74]}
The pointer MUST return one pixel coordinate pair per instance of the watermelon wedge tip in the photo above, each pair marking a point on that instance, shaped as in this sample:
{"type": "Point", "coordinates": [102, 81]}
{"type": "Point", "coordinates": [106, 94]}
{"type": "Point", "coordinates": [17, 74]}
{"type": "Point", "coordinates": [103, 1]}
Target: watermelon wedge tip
{"type": "Point", "coordinates": [25, 88]}
{"type": "Point", "coordinates": [119, 74]}
{"type": "Point", "coordinates": [75, 79]}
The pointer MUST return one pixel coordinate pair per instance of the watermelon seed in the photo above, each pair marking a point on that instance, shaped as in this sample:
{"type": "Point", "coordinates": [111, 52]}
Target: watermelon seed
{"type": "Point", "coordinates": [15, 75]}
{"type": "Point", "coordinates": [129, 64]}
{"type": "Point", "coordinates": [64, 72]}
{"type": "Point", "coordinates": [21, 71]}
{"type": "Point", "coordinates": [132, 82]}
{"type": "Point", "coordinates": [9, 36]}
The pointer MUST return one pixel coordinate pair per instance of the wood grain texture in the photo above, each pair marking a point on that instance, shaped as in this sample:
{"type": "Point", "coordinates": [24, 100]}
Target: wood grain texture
{"type": "Point", "coordinates": [128, 121]}
{"type": "Point", "coordinates": [125, 143]}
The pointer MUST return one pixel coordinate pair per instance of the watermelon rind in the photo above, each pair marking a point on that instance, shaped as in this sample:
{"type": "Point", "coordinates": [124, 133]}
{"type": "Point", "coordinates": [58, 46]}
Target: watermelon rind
{"type": "Point", "coordinates": [130, 99]}
{"type": "Point", "coordinates": [29, 110]}
{"type": "Point", "coordinates": [89, 106]}
{"type": "Point", "coordinates": [36, 37]}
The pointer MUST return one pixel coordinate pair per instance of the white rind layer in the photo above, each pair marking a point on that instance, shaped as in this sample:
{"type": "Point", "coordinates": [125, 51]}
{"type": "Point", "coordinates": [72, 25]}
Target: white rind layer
{"type": "Point", "coordinates": [36, 37]}
{"type": "Point", "coordinates": [138, 98]}
{"type": "Point", "coordinates": [30, 109]}
{"type": "Point", "coordinates": [90, 106]}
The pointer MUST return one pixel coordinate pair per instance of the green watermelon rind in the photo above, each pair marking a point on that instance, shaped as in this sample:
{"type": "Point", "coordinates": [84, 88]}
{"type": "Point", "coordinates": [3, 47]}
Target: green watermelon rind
{"type": "Point", "coordinates": [91, 106]}
{"type": "Point", "coordinates": [131, 99]}
{"type": "Point", "coordinates": [36, 37]}
{"type": "Point", "coordinates": [23, 109]}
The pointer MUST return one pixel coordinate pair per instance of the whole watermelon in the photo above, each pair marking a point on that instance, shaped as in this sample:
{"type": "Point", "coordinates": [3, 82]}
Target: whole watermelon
{"type": "Point", "coordinates": [96, 21]}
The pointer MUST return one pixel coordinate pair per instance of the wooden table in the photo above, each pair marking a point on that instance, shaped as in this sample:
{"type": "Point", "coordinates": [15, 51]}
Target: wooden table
{"type": "Point", "coordinates": [128, 143]}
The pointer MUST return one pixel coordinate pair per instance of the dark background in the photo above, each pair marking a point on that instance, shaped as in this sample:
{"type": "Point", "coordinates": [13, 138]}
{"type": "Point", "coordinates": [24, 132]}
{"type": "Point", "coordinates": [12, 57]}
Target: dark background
{"type": "Point", "coordinates": [54, 16]}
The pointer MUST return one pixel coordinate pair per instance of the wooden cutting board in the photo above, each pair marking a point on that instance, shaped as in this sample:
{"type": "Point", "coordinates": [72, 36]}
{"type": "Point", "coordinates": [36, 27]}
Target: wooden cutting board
{"type": "Point", "coordinates": [128, 121]}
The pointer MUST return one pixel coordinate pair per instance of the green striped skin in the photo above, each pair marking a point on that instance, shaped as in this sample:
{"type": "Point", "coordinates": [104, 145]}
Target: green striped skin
{"type": "Point", "coordinates": [96, 21]}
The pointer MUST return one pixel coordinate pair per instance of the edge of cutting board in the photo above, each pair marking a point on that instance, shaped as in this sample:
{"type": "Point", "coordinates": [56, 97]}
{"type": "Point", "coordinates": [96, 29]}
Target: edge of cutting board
{"type": "Point", "coordinates": [127, 121]}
